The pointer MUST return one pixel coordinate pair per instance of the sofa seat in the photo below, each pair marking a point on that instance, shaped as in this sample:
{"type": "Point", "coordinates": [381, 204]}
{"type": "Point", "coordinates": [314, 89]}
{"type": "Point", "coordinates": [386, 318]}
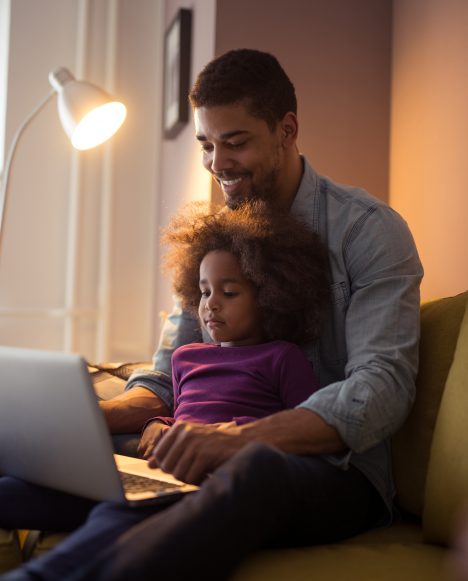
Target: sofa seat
{"type": "Point", "coordinates": [393, 553]}
{"type": "Point", "coordinates": [10, 553]}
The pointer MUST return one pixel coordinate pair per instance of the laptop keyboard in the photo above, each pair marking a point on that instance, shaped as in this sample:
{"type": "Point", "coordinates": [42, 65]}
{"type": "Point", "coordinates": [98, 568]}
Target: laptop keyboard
{"type": "Point", "coordinates": [135, 483]}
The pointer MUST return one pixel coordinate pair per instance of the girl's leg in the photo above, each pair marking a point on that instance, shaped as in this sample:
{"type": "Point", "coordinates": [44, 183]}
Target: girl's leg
{"type": "Point", "coordinates": [106, 522]}
{"type": "Point", "coordinates": [27, 506]}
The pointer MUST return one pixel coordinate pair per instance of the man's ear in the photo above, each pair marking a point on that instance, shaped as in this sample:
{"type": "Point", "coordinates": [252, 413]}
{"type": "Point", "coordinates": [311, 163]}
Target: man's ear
{"type": "Point", "coordinates": [289, 129]}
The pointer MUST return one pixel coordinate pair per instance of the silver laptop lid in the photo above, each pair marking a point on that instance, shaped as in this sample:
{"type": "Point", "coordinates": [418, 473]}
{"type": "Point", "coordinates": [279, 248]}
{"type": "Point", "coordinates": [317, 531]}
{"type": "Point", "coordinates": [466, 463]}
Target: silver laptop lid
{"type": "Point", "coordinates": [52, 432]}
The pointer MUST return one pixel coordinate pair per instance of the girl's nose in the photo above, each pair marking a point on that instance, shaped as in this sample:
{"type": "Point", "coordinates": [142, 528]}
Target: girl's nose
{"type": "Point", "coordinates": [212, 303]}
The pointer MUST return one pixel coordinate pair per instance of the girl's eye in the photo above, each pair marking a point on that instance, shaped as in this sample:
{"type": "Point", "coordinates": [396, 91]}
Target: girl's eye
{"type": "Point", "coordinates": [230, 294]}
{"type": "Point", "coordinates": [205, 293]}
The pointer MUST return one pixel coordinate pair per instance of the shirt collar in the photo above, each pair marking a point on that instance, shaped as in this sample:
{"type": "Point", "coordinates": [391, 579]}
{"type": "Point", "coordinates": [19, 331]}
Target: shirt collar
{"type": "Point", "coordinates": [306, 203]}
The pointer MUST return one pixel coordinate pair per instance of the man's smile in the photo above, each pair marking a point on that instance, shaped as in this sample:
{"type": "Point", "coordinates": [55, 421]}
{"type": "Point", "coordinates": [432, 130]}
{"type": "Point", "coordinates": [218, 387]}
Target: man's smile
{"type": "Point", "coordinates": [230, 183]}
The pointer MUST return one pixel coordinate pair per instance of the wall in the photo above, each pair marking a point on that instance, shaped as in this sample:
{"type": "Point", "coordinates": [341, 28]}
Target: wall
{"type": "Point", "coordinates": [129, 289]}
{"type": "Point", "coordinates": [76, 264]}
{"type": "Point", "coordinates": [429, 136]}
{"type": "Point", "coordinates": [4, 49]}
{"type": "Point", "coordinates": [337, 54]}
{"type": "Point", "coordinates": [34, 247]}
{"type": "Point", "coordinates": [182, 175]}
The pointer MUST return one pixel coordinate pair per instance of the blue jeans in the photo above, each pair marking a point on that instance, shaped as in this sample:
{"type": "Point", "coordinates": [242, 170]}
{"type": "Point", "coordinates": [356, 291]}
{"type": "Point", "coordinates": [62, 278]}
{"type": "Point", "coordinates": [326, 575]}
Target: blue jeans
{"type": "Point", "coordinates": [261, 497]}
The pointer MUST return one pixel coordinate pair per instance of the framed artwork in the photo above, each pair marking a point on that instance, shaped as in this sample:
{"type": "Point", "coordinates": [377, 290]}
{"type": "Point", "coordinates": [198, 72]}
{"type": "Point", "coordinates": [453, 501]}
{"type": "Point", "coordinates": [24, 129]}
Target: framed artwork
{"type": "Point", "coordinates": [177, 49]}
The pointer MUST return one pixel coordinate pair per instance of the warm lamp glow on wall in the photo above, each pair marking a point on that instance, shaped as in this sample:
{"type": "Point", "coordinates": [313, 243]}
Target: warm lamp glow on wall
{"type": "Point", "coordinates": [89, 116]}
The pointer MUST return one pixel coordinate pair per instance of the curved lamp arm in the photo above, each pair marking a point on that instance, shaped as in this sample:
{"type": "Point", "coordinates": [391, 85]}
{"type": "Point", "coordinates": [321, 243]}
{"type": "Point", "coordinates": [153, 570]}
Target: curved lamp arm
{"type": "Point", "coordinates": [11, 154]}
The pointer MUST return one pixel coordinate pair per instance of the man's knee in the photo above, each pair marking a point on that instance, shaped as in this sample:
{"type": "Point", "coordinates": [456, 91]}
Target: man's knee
{"type": "Point", "coordinates": [254, 467]}
{"type": "Point", "coordinates": [257, 454]}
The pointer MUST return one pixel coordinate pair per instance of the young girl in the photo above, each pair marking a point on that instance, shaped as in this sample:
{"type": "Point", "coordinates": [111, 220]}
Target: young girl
{"type": "Point", "coordinates": [258, 283]}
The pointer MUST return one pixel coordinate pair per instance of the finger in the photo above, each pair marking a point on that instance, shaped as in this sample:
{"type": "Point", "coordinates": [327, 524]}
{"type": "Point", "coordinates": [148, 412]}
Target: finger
{"type": "Point", "coordinates": [142, 447]}
{"type": "Point", "coordinates": [149, 438]}
{"type": "Point", "coordinates": [196, 471]}
{"type": "Point", "coordinates": [148, 450]}
{"type": "Point", "coordinates": [175, 453]}
{"type": "Point", "coordinates": [169, 457]}
{"type": "Point", "coordinates": [164, 445]}
{"type": "Point", "coordinates": [152, 462]}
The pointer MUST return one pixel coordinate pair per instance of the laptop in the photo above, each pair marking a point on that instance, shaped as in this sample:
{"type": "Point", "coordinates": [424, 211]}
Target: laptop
{"type": "Point", "coordinates": [53, 433]}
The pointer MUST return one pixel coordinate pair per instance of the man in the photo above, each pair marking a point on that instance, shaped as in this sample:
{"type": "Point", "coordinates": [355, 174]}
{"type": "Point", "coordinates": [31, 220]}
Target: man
{"type": "Point", "coordinates": [320, 472]}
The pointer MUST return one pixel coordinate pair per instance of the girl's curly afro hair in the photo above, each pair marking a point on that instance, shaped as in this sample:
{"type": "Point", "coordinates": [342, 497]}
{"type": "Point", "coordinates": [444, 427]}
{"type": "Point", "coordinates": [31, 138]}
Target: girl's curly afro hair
{"type": "Point", "coordinates": [284, 260]}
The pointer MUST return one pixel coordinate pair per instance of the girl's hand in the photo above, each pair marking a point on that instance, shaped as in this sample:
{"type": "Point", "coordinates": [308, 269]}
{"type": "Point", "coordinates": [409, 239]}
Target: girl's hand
{"type": "Point", "coordinates": [152, 434]}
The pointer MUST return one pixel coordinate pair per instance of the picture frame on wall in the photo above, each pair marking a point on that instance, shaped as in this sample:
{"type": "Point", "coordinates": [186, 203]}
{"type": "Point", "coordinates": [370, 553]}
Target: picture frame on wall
{"type": "Point", "coordinates": [177, 59]}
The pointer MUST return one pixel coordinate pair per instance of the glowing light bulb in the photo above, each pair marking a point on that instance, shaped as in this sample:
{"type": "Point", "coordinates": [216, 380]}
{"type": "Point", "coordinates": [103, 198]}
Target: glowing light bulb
{"type": "Point", "coordinates": [98, 125]}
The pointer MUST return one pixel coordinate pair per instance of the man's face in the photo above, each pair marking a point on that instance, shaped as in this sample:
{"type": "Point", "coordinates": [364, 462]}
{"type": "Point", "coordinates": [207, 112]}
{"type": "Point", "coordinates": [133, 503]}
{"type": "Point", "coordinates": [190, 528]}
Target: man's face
{"type": "Point", "coordinates": [241, 152]}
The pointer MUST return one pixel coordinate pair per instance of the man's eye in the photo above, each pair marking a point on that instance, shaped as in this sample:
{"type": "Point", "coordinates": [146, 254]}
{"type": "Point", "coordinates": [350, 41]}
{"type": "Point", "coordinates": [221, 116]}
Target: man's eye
{"type": "Point", "coordinates": [236, 145]}
{"type": "Point", "coordinates": [206, 147]}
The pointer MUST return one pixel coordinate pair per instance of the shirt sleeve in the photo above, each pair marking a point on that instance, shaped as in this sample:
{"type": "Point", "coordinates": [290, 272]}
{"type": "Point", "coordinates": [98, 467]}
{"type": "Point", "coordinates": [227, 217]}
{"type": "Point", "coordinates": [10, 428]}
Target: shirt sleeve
{"type": "Point", "coordinates": [381, 333]}
{"type": "Point", "coordinates": [297, 380]}
{"type": "Point", "coordinates": [179, 329]}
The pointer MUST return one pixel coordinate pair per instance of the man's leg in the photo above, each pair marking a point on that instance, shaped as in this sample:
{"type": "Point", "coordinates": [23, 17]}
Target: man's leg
{"type": "Point", "coordinates": [258, 498]}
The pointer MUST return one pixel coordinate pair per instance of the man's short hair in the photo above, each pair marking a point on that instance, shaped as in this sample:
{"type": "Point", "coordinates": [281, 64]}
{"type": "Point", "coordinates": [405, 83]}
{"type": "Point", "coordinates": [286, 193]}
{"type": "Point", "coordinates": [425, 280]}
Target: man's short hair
{"type": "Point", "coordinates": [246, 76]}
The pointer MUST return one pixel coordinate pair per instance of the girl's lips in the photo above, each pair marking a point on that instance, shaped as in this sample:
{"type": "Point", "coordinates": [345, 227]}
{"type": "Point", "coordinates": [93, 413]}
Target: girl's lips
{"type": "Point", "coordinates": [213, 323]}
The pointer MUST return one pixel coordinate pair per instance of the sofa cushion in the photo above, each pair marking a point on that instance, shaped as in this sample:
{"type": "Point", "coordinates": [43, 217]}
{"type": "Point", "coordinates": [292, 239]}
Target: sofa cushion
{"type": "Point", "coordinates": [396, 552]}
{"type": "Point", "coordinates": [440, 325]}
{"type": "Point", "coordinates": [10, 554]}
{"type": "Point", "coordinates": [447, 477]}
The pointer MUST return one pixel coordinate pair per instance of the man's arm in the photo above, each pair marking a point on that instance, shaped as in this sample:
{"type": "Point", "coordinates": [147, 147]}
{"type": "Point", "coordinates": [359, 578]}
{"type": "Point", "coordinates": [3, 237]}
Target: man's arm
{"type": "Point", "coordinates": [380, 332]}
{"type": "Point", "coordinates": [148, 393]}
{"type": "Point", "coordinates": [128, 412]}
{"type": "Point", "coordinates": [191, 451]}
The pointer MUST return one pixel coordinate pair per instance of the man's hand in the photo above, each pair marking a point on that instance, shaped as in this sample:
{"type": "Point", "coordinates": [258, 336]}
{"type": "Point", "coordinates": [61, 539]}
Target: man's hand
{"type": "Point", "coordinates": [191, 451]}
{"type": "Point", "coordinates": [127, 412]}
{"type": "Point", "coordinates": [150, 437]}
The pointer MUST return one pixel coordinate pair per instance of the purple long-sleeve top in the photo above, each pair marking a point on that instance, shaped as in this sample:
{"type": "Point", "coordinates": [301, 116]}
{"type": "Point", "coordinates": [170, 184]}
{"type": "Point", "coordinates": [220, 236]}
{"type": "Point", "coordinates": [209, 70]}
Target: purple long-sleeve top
{"type": "Point", "coordinates": [220, 384]}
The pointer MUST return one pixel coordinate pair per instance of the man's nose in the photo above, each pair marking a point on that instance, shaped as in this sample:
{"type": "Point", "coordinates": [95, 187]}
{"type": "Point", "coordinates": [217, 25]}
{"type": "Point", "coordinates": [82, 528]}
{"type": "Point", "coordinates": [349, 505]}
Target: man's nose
{"type": "Point", "coordinates": [220, 160]}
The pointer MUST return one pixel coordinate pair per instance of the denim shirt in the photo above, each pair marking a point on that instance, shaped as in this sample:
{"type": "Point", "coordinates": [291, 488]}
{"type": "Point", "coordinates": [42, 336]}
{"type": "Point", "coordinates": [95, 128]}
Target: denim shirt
{"type": "Point", "coordinates": [367, 355]}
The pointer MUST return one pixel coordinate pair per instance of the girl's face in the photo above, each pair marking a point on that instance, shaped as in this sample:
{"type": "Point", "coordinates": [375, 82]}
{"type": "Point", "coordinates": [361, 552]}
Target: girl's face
{"type": "Point", "coordinates": [228, 307]}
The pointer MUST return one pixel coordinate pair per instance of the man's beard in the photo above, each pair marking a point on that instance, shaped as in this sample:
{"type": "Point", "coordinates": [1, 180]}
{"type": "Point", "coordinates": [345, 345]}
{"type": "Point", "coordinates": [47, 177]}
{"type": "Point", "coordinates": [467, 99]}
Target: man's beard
{"type": "Point", "coordinates": [266, 190]}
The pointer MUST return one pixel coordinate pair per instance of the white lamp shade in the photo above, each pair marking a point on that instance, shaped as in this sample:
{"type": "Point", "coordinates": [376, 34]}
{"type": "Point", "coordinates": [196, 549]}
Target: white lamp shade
{"type": "Point", "coordinates": [88, 115]}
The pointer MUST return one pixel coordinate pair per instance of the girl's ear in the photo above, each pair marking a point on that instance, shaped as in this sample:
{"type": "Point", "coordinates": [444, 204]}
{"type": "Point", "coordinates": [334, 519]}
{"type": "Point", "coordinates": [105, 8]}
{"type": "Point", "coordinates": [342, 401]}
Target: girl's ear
{"type": "Point", "coordinates": [289, 129]}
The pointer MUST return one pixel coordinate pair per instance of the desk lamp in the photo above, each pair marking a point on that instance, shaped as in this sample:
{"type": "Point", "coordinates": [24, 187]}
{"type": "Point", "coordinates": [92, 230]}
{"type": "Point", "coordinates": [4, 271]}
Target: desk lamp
{"type": "Point", "coordinates": [89, 116]}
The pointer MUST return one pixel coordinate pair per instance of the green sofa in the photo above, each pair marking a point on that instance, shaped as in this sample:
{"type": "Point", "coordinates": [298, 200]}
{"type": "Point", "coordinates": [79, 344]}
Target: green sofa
{"type": "Point", "coordinates": [431, 474]}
